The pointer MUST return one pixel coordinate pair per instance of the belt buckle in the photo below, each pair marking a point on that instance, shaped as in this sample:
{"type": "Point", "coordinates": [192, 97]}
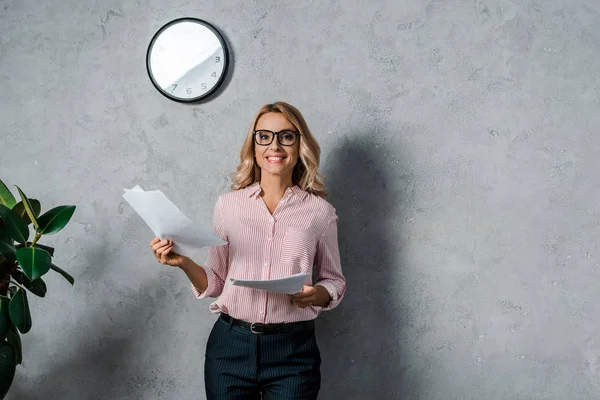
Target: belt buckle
{"type": "Point", "coordinates": [252, 327]}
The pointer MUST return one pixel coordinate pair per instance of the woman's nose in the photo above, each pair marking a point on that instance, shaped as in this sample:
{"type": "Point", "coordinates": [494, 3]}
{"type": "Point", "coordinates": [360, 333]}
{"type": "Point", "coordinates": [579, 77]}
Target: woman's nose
{"type": "Point", "coordinates": [275, 144]}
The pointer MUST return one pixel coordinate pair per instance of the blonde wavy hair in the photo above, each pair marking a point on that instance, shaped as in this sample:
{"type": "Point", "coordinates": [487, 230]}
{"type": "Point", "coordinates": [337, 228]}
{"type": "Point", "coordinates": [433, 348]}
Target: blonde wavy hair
{"type": "Point", "coordinates": [306, 173]}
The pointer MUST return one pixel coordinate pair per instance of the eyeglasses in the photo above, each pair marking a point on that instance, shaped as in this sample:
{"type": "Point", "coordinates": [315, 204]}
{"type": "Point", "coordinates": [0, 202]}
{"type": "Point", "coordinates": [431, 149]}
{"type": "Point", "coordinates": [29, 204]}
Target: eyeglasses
{"type": "Point", "coordinates": [285, 138]}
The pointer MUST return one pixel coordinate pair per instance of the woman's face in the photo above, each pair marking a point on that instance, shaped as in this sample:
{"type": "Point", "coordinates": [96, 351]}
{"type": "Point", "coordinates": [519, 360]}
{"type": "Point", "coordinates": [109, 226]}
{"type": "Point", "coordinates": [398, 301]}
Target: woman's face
{"type": "Point", "coordinates": [275, 159]}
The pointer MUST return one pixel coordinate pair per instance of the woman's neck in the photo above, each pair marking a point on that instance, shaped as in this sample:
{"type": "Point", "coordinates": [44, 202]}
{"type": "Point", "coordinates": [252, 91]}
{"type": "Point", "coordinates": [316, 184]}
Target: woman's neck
{"type": "Point", "coordinates": [274, 187]}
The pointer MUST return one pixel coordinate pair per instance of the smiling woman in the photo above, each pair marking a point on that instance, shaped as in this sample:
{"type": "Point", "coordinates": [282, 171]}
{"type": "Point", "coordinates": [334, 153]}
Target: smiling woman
{"type": "Point", "coordinates": [276, 223]}
{"type": "Point", "coordinates": [271, 158]}
{"type": "Point", "coordinates": [305, 173]}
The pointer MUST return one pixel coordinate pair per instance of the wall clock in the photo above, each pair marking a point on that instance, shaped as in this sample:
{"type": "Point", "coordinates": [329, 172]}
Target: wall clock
{"type": "Point", "coordinates": [187, 60]}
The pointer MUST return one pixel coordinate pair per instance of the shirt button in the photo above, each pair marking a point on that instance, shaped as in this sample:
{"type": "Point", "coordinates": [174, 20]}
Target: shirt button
{"type": "Point", "coordinates": [266, 264]}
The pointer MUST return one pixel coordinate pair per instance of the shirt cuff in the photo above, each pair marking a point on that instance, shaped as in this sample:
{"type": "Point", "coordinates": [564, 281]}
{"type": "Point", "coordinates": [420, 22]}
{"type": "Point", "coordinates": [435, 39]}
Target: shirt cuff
{"type": "Point", "coordinates": [211, 278]}
{"type": "Point", "coordinates": [335, 299]}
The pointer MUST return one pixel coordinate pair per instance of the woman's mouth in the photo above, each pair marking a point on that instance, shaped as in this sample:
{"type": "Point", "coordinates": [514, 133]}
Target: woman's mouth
{"type": "Point", "coordinates": [275, 159]}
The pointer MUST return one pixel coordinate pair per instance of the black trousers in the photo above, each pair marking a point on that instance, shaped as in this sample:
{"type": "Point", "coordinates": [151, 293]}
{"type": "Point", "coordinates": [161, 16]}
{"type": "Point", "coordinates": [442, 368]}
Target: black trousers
{"type": "Point", "coordinates": [241, 365]}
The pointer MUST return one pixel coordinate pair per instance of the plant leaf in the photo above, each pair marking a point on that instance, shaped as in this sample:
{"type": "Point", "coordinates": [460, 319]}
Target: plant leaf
{"type": "Point", "coordinates": [7, 367]}
{"type": "Point", "coordinates": [15, 227]}
{"type": "Point", "coordinates": [63, 273]}
{"type": "Point", "coordinates": [41, 246]}
{"type": "Point", "coordinates": [4, 237]}
{"type": "Point", "coordinates": [19, 311]}
{"type": "Point", "coordinates": [37, 287]}
{"type": "Point", "coordinates": [12, 290]}
{"type": "Point", "coordinates": [55, 219]}
{"type": "Point", "coordinates": [17, 275]}
{"type": "Point", "coordinates": [14, 339]}
{"type": "Point", "coordinates": [20, 210]}
{"type": "Point", "coordinates": [34, 262]}
{"type": "Point", "coordinates": [28, 207]}
{"type": "Point", "coordinates": [5, 322]}
{"type": "Point", "coordinates": [6, 197]}
{"type": "Point", "coordinates": [8, 250]}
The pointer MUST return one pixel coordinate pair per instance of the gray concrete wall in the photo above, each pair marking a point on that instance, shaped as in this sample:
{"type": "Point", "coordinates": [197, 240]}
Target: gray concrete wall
{"type": "Point", "coordinates": [460, 143]}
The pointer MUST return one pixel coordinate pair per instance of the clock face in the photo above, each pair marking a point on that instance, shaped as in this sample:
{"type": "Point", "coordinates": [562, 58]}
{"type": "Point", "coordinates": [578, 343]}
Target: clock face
{"type": "Point", "coordinates": [187, 60]}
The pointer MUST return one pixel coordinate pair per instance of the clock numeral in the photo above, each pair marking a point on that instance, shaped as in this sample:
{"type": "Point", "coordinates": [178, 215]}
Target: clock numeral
{"type": "Point", "coordinates": [174, 87]}
{"type": "Point", "coordinates": [203, 86]}
{"type": "Point", "coordinates": [189, 90]}
{"type": "Point", "coordinates": [217, 59]}
{"type": "Point", "coordinates": [214, 74]}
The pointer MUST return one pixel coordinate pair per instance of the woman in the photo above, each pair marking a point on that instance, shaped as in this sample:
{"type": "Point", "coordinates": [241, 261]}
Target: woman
{"type": "Point", "coordinates": [277, 224]}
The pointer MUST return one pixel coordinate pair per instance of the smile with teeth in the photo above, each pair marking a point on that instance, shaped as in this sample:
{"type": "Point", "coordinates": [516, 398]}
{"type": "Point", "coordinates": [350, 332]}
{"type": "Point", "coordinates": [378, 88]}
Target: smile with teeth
{"type": "Point", "coordinates": [275, 160]}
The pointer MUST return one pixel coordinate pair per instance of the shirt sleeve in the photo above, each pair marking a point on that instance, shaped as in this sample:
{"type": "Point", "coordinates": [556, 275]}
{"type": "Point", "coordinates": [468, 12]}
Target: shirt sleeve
{"type": "Point", "coordinates": [217, 262]}
{"type": "Point", "coordinates": [329, 269]}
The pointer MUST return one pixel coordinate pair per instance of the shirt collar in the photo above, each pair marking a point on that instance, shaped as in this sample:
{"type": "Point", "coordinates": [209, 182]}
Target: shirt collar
{"type": "Point", "coordinates": [296, 191]}
{"type": "Point", "coordinates": [254, 191]}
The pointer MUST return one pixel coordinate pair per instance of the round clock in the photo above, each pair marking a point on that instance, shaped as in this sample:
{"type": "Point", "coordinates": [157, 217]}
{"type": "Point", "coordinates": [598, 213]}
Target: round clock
{"type": "Point", "coordinates": [187, 60]}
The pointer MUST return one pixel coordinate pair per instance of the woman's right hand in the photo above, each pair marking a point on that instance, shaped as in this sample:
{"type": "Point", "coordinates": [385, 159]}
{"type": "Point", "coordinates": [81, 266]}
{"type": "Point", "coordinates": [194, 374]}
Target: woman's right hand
{"type": "Point", "coordinates": [164, 255]}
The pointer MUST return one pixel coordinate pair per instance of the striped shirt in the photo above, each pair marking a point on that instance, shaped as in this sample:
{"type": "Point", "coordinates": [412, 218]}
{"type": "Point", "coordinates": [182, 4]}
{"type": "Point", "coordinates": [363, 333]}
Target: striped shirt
{"type": "Point", "coordinates": [301, 233]}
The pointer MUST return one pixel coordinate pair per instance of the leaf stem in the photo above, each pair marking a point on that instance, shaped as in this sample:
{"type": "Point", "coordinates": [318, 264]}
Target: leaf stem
{"type": "Point", "coordinates": [37, 237]}
{"type": "Point", "coordinates": [15, 283]}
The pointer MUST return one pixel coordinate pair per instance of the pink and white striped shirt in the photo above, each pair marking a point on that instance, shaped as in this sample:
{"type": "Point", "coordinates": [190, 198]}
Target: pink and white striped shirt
{"type": "Point", "coordinates": [302, 232]}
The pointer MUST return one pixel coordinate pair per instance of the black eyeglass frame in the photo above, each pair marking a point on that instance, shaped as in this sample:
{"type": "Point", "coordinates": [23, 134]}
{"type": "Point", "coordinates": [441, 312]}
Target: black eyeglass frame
{"type": "Point", "coordinates": [275, 134]}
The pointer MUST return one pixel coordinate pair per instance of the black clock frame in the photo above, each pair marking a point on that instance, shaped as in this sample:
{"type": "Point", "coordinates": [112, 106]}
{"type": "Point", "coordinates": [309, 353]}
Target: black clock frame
{"type": "Point", "coordinates": [225, 61]}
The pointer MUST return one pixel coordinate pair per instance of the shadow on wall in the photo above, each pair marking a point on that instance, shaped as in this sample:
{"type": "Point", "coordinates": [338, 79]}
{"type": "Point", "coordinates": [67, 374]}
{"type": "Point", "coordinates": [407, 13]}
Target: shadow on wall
{"type": "Point", "coordinates": [98, 368]}
{"type": "Point", "coordinates": [360, 340]}
{"type": "Point", "coordinates": [102, 366]}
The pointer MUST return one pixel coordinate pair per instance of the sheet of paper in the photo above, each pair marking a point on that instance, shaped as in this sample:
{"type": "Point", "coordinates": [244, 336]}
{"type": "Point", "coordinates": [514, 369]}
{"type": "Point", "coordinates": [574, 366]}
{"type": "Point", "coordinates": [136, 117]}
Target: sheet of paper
{"type": "Point", "coordinates": [288, 285]}
{"type": "Point", "coordinates": [168, 222]}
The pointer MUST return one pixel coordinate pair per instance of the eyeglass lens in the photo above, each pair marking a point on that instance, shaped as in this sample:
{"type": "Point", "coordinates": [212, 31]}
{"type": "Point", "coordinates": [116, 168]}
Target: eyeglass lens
{"type": "Point", "coordinates": [286, 138]}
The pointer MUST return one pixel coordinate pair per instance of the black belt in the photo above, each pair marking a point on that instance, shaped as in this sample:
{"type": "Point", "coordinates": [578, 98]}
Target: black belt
{"type": "Point", "coordinates": [257, 327]}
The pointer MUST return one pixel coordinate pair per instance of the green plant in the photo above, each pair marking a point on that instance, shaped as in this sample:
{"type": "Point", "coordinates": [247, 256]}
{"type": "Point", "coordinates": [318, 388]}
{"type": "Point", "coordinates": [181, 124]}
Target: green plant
{"type": "Point", "coordinates": [22, 265]}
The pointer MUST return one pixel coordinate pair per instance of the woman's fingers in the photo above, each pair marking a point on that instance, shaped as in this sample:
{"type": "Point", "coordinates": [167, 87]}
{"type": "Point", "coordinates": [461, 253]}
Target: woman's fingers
{"type": "Point", "coordinates": [305, 298]}
{"type": "Point", "coordinates": [301, 302]}
{"type": "Point", "coordinates": [163, 258]}
{"type": "Point", "coordinates": [161, 243]}
{"type": "Point", "coordinates": [307, 291]}
{"type": "Point", "coordinates": [160, 249]}
{"type": "Point", "coordinates": [167, 250]}
{"type": "Point", "coordinates": [302, 295]}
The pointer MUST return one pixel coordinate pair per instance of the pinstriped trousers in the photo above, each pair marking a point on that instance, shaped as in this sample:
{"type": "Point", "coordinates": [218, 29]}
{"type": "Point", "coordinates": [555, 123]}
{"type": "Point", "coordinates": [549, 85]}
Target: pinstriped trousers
{"type": "Point", "coordinates": [240, 364]}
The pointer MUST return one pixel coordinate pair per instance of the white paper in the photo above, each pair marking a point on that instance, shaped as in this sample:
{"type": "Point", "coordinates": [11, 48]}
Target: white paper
{"type": "Point", "coordinates": [168, 222]}
{"type": "Point", "coordinates": [288, 285]}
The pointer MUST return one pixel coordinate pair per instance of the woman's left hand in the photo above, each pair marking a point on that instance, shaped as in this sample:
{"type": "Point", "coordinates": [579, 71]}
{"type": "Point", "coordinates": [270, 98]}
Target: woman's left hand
{"type": "Point", "coordinates": [307, 297]}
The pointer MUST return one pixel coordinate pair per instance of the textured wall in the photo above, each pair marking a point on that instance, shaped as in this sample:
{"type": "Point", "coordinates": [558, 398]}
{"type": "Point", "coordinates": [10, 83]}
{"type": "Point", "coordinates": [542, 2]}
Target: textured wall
{"type": "Point", "coordinates": [459, 141]}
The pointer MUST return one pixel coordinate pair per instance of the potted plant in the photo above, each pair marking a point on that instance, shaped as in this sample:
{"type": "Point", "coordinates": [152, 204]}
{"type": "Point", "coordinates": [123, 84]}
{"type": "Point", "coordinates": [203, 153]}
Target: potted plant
{"type": "Point", "coordinates": [23, 263]}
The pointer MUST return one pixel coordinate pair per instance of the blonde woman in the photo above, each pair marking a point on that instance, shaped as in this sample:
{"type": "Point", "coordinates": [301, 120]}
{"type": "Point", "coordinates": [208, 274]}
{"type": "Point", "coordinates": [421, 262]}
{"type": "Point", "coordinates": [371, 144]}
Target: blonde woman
{"type": "Point", "coordinates": [277, 223]}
